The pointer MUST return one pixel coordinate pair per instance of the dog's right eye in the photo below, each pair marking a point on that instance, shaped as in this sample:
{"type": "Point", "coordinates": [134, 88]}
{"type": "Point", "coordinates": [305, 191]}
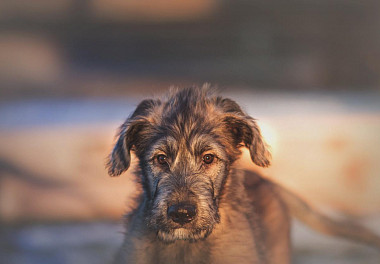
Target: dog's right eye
{"type": "Point", "coordinates": [162, 159]}
{"type": "Point", "coordinates": [208, 158]}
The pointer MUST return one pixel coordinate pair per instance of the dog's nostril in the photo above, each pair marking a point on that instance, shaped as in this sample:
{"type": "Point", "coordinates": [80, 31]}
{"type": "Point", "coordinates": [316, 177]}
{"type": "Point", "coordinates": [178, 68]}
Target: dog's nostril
{"type": "Point", "coordinates": [182, 213]}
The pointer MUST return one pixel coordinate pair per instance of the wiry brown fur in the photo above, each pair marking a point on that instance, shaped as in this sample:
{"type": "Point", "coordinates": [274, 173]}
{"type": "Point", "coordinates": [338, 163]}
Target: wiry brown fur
{"type": "Point", "coordinates": [229, 226]}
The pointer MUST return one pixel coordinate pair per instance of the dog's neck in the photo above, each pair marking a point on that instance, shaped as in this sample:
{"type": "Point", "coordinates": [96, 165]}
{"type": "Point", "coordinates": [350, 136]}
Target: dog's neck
{"type": "Point", "coordinates": [233, 189]}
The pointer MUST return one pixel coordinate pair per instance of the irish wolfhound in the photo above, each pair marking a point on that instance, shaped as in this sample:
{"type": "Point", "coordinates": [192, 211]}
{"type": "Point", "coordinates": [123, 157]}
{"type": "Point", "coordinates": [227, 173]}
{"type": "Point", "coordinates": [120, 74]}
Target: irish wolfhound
{"type": "Point", "coordinates": [195, 206]}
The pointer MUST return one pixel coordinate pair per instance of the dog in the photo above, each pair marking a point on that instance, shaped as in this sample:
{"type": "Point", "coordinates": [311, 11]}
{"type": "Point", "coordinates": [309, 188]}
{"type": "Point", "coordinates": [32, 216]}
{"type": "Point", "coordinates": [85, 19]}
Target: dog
{"type": "Point", "coordinates": [195, 205]}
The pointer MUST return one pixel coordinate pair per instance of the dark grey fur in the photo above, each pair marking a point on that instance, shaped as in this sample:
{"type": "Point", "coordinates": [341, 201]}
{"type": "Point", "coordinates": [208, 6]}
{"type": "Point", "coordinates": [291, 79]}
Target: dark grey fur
{"type": "Point", "coordinates": [229, 227]}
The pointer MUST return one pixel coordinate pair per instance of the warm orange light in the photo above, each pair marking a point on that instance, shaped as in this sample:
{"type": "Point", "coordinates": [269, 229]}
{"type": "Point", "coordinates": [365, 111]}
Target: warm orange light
{"type": "Point", "coordinates": [269, 134]}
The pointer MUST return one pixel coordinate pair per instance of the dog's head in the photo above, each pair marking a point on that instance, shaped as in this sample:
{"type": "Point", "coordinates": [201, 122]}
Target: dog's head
{"type": "Point", "coordinates": [185, 146]}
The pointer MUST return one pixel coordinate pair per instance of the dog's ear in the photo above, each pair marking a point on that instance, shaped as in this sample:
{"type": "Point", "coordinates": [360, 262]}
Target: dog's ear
{"type": "Point", "coordinates": [129, 136]}
{"type": "Point", "coordinates": [245, 131]}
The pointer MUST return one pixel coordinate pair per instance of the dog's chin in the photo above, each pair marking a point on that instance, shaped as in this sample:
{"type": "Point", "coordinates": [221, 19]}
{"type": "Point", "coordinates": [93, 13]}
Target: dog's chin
{"type": "Point", "coordinates": [183, 234]}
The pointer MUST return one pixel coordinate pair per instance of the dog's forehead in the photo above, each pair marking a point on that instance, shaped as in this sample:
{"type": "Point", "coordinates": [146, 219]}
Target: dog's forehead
{"type": "Point", "coordinates": [191, 120]}
{"type": "Point", "coordinates": [186, 118]}
{"type": "Point", "coordinates": [194, 146]}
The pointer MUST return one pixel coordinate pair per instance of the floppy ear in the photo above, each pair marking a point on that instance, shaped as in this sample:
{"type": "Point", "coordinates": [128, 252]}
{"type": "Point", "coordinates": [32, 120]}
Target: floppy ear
{"type": "Point", "coordinates": [129, 136]}
{"type": "Point", "coordinates": [258, 149]}
{"type": "Point", "coordinates": [245, 131]}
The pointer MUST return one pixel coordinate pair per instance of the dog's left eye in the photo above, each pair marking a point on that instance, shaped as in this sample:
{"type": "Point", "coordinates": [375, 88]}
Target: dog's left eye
{"type": "Point", "coordinates": [208, 158]}
{"type": "Point", "coordinates": [162, 159]}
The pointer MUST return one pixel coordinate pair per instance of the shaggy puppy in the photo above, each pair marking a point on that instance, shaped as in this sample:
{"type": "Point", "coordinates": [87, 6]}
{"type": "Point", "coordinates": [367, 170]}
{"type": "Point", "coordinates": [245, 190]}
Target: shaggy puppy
{"type": "Point", "coordinates": [195, 207]}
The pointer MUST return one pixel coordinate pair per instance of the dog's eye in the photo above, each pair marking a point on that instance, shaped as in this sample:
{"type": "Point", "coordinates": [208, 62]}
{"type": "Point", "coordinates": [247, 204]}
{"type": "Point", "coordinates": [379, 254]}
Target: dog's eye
{"type": "Point", "coordinates": [162, 159]}
{"type": "Point", "coordinates": [208, 158]}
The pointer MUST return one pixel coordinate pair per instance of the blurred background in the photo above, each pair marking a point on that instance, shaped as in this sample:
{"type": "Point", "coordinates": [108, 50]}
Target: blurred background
{"type": "Point", "coordinates": [71, 71]}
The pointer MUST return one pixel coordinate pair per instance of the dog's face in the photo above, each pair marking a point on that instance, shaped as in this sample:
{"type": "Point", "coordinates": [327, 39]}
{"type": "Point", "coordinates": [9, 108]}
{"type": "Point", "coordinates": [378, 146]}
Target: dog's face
{"type": "Point", "coordinates": [186, 146]}
{"type": "Point", "coordinates": [185, 175]}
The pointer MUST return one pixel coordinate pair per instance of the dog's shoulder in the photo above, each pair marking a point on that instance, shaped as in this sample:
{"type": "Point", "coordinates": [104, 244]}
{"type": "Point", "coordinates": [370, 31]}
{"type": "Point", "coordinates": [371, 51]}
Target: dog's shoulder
{"type": "Point", "coordinates": [272, 216]}
{"type": "Point", "coordinates": [262, 192]}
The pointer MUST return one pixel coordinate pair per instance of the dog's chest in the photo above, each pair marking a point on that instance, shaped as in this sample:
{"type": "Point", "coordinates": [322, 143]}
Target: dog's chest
{"type": "Point", "coordinates": [203, 252]}
{"type": "Point", "coordinates": [181, 252]}
{"type": "Point", "coordinates": [233, 244]}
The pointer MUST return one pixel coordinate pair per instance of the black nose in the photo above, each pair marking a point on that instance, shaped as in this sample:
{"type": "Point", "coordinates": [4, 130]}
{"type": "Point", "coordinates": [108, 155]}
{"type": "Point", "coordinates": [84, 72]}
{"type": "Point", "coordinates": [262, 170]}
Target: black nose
{"type": "Point", "coordinates": [182, 213]}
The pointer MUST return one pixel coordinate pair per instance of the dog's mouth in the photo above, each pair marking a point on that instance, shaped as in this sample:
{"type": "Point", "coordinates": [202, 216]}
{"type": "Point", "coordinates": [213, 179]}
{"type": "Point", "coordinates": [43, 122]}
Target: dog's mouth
{"type": "Point", "coordinates": [183, 233]}
{"type": "Point", "coordinates": [197, 229]}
